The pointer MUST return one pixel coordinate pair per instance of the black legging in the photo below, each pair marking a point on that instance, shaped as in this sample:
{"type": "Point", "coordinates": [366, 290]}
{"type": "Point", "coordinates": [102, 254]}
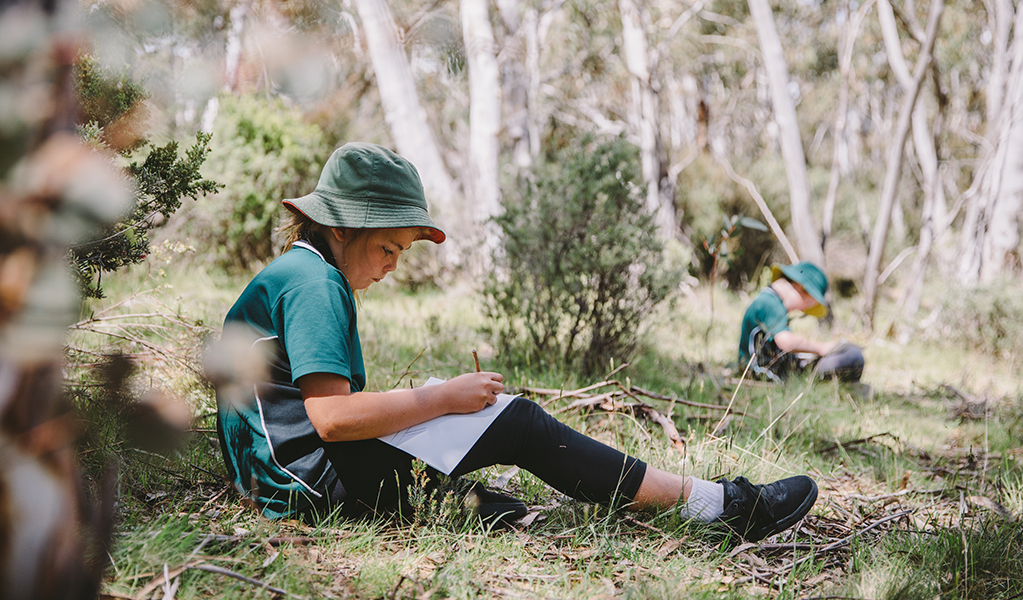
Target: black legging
{"type": "Point", "coordinates": [375, 475]}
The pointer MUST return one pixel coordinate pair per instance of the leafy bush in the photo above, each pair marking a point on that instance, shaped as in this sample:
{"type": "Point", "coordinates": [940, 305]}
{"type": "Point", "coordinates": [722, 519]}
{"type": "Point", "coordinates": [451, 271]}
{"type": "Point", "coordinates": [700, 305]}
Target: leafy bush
{"type": "Point", "coordinates": [266, 152]}
{"type": "Point", "coordinates": [707, 198]}
{"type": "Point", "coordinates": [111, 114]}
{"type": "Point", "coordinates": [580, 263]}
{"type": "Point", "coordinates": [985, 318]}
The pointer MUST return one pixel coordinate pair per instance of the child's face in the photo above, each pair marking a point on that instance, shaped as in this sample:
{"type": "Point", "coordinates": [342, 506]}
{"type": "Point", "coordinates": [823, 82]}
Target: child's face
{"type": "Point", "coordinates": [368, 257]}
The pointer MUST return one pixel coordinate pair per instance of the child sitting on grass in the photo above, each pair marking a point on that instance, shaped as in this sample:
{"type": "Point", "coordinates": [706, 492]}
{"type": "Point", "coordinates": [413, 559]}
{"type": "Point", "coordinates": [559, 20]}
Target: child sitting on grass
{"type": "Point", "coordinates": [306, 440]}
{"type": "Point", "coordinates": [776, 351]}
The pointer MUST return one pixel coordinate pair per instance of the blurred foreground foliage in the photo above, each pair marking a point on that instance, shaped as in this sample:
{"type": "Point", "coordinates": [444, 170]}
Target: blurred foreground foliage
{"type": "Point", "coordinates": [580, 264]}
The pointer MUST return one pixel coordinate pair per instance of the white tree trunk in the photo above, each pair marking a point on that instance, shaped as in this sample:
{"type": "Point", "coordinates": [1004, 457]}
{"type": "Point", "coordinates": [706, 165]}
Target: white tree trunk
{"type": "Point", "coordinates": [807, 239]}
{"type": "Point", "coordinates": [893, 169]}
{"type": "Point", "coordinates": [923, 136]}
{"type": "Point", "coordinates": [1000, 14]}
{"type": "Point", "coordinates": [482, 191]}
{"type": "Point", "coordinates": [237, 16]}
{"type": "Point", "coordinates": [404, 114]}
{"type": "Point", "coordinates": [927, 158]}
{"type": "Point", "coordinates": [1000, 248]}
{"type": "Point", "coordinates": [644, 118]}
{"type": "Point", "coordinates": [515, 81]}
{"type": "Point", "coordinates": [846, 43]}
{"type": "Point", "coordinates": [991, 227]}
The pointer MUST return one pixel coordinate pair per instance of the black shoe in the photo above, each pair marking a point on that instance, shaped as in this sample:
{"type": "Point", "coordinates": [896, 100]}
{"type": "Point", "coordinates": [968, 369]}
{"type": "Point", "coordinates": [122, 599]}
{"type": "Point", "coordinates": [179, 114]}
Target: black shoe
{"type": "Point", "coordinates": [758, 511]}
{"type": "Point", "coordinates": [493, 507]}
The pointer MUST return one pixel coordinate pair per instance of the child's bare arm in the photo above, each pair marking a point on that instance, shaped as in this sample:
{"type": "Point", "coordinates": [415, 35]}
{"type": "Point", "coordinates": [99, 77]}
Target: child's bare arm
{"type": "Point", "coordinates": [793, 342]}
{"type": "Point", "coordinates": [338, 414]}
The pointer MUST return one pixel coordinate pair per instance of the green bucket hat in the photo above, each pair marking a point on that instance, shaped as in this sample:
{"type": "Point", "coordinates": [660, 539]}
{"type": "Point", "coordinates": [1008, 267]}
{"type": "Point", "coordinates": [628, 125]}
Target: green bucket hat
{"type": "Point", "coordinates": [811, 278]}
{"type": "Point", "coordinates": [366, 186]}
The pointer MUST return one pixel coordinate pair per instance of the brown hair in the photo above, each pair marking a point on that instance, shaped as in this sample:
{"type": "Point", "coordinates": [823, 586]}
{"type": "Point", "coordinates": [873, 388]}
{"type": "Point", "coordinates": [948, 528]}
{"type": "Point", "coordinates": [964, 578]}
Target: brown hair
{"type": "Point", "coordinates": [294, 228]}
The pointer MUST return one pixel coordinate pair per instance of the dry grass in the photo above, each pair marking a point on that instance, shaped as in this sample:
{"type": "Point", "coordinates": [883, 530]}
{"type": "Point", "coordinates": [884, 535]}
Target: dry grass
{"type": "Point", "coordinates": [908, 455]}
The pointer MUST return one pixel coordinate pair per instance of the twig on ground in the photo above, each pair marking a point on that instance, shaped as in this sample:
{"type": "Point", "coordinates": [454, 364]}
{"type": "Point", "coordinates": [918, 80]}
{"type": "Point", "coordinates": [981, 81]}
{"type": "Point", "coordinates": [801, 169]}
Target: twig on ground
{"type": "Point", "coordinates": [642, 392]}
{"type": "Point", "coordinates": [563, 394]}
{"type": "Point", "coordinates": [240, 577]}
{"type": "Point", "coordinates": [841, 543]}
{"type": "Point", "coordinates": [638, 523]}
{"type": "Point", "coordinates": [858, 442]}
{"type": "Point", "coordinates": [612, 402]}
{"type": "Point", "coordinates": [898, 494]}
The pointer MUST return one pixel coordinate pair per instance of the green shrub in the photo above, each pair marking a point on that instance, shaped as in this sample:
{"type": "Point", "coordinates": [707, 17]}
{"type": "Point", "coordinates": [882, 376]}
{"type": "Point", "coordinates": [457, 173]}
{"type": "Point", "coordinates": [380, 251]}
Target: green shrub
{"type": "Point", "coordinates": [706, 199]}
{"type": "Point", "coordinates": [580, 263]}
{"type": "Point", "coordinates": [110, 117]}
{"type": "Point", "coordinates": [985, 318]}
{"type": "Point", "coordinates": [265, 153]}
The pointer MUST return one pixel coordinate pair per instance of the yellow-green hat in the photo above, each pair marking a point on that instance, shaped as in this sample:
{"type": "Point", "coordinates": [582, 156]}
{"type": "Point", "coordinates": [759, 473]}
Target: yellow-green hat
{"type": "Point", "coordinates": [366, 186]}
{"type": "Point", "coordinates": [811, 278]}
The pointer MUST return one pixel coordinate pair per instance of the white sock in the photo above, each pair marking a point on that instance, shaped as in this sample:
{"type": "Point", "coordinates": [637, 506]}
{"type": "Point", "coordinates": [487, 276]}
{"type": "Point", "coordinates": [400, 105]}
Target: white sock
{"type": "Point", "coordinates": [706, 501]}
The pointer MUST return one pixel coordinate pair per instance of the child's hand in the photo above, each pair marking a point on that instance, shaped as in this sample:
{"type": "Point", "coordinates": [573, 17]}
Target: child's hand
{"type": "Point", "coordinates": [472, 392]}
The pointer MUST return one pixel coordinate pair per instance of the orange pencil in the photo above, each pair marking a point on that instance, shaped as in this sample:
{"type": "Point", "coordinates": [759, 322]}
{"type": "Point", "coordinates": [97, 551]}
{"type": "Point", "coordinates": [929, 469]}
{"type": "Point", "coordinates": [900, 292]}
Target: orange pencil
{"type": "Point", "coordinates": [477, 360]}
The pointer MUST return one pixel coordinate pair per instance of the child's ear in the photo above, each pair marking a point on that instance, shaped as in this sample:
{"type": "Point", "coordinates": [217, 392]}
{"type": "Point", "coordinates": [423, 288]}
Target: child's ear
{"type": "Point", "coordinates": [339, 234]}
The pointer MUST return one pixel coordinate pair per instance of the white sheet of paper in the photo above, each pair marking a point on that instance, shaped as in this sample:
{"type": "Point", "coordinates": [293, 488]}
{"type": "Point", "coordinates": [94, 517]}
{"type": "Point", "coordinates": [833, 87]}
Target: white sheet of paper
{"type": "Point", "coordinates": [443, 442]}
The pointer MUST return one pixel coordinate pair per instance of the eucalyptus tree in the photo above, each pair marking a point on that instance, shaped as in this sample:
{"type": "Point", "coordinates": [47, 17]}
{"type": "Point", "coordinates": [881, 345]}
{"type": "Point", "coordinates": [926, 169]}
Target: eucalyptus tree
{"type": "Point", "coordinates": [895, 161]}
{"type": "Point", "coordinates": [990, 235]}
{"type": "Point", "coordinates": [644, 114]}
{"type": "Point", "coordinates": [773, 56]}
{"type": "Point", "coordinates": [482, 190]}
{"type": "Point", "coordinates": [911, 115]}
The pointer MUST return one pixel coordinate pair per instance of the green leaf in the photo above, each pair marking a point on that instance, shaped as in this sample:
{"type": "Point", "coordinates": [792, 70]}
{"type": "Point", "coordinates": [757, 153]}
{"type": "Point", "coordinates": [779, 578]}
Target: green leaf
{"type": "Point", "coordinates": [751, 223]}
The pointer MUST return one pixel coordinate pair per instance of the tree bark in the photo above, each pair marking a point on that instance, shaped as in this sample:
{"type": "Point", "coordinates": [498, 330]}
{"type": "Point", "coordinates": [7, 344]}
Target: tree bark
{"type": "Point", "coordinates": [894, 164]}
{"type": "Point", "coordinates": [1000, 14]}
{"type": "Point", "coordinates": [642, 65]}
{"type": "Point", "coordinates": [1003, 224]}
{"type": "Point", "coordinates": [404, 113]}
{"type": "Point", "coordinates": [990, 233]}
{"type": "Point", "coordinates": [927, 158]}
{"type": "Point", "coordinates": [237, 17]}
{"type": "Point", "coordinates": [482, 191]}
{"type": "Point", "coordinates": [537, 27]}
{"type": "Point", "coordinates": [807, 239]}
{"type": "Point", "coordinates": [846, 44]}
{"type": "Point", "coordinates": [515, 81]}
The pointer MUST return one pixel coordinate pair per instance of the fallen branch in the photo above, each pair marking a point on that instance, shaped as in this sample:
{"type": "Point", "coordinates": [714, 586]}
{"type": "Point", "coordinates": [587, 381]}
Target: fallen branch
{"type": "Point", "coordinates": [889, 496]}
{"type": "Point", "coordinates": [668, 425]}
{"type": "Point", "coordinates": [170, 574]}
{"type": "Point", "coordinates": [563, 394]}
{"type": "Point", "coordinates": [643, 392]}
{"type": "Point", "coordinates": [784, 570]}
{"type": "Point", "coordinates": [858, 442]}
{"type": "Point", "coordinates": [239, 577]}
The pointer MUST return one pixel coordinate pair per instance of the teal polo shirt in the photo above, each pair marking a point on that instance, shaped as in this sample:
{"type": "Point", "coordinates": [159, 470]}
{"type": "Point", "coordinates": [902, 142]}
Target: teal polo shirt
{"type": "Point", "coordinates": [765, 318]}
{"type": "Point", "coordinates": [302, 308]}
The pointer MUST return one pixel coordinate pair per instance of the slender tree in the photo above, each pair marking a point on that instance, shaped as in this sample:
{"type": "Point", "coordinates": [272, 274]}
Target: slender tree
{"type": "Point", "coordinates": [515, 79]}
{"type": "Point", "coordinates": [807, 239]}
{"type": "Point", "coordinates": [641, 61]}
{"type": "Point", "coordinates": [482, 192]}
{"type": "Point", "coordinates": [893, 171]}
{"type": "Point", "coordinates": [839, 161]}
{"type": "Point", "coordinates": [405, 115]}
{"type": "Point", "coordinates": [933, 210]}
{"type": "Point", "coordinates": [989, 245]}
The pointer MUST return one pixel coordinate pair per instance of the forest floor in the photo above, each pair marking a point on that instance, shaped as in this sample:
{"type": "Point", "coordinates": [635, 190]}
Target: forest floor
{"type": "Point", "coordinates": [918, 469]}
